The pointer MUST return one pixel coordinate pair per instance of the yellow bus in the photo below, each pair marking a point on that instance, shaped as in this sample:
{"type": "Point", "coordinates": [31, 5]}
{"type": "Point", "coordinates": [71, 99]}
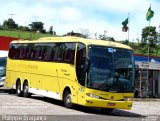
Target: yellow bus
{"type": "Point", "coordinates": [87, 72]}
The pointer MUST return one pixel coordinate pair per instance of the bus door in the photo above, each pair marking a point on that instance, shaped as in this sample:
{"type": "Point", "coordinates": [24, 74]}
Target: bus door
{"type": "Point", "coordinates": [80, 55]}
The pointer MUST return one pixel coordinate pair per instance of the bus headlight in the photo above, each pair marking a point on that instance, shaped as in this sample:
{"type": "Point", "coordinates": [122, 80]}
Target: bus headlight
{"type": "Point", "coordinates": [92, 95]}
{"type": "Point", "coordinates": [128, 98]}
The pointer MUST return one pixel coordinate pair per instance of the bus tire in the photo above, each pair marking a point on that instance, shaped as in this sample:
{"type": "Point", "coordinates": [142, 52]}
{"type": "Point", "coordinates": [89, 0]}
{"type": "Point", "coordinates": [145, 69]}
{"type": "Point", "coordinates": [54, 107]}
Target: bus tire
{"type": "Point", "coordinates": [18, 89]}
{"type": "Point", "coordinates": [26, 90]}
{"type": "Point", "coordinates": [68, 99]}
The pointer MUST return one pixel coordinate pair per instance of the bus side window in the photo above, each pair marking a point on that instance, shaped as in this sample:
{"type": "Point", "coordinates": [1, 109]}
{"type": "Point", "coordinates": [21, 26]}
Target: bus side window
{"type": "Point", "coordinates": [44, 52]}
{"type": "Point", "coordinates": [22, 51]}
{"type": "Point", "coordinates": [12, 51]}
{"type": "Point", "coordinates": [52, 54]}
{"type": "Point", "coordinates": [30, 49]}
{"type": "Point", "coordinates": [80, 72]}
{"type": "Point", "coordinates": [39, 52]}
{"type": "Point", "coordinates": [17, 51]}
{"type": "Point", "coordinates": [33, 53]}
{"type": "Point", "coordinates": [56, 52]}
{"type": "Point", "coordinates": [48, 52]}
{"type": "Point", "coordinates": [69, 53]}
{"type": "Point", "coordinates": [61, 52]}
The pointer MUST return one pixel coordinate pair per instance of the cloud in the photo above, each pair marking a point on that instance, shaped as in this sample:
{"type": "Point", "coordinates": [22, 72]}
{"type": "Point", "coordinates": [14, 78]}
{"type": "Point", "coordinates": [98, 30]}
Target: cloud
{"type": "Point", "coordinates": [97, 15]}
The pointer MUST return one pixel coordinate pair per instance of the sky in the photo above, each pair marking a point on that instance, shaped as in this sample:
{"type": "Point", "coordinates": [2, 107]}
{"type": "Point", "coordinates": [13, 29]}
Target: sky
{"type": "Point", "coordinates": [95, 16]}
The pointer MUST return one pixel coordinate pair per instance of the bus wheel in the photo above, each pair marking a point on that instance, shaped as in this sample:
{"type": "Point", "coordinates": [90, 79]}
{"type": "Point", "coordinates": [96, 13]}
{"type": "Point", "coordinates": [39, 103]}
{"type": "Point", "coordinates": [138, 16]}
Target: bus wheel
{"type": "Point", "coordinates": [18, 89]}
{"type": "Point", "coordinates": [68, 99]}
{"type": "Point", "coordinates": [106, 110]}
{"type": "Point", "coordinates": [26, 90]}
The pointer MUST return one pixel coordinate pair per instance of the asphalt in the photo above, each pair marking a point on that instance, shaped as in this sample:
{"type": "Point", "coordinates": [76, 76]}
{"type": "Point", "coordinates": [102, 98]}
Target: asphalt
{"type": "Point", "coordinates": [146, 99]}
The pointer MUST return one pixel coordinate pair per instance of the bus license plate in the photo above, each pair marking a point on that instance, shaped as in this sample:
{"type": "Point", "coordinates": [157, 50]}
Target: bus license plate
{"type": "Point", "coordinates": [111, 104]}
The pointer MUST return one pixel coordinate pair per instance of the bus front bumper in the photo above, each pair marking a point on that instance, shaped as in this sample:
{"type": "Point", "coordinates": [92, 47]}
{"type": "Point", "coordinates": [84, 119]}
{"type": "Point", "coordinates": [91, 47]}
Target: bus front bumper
{"type": "Point", "coordinates": [100, 103]}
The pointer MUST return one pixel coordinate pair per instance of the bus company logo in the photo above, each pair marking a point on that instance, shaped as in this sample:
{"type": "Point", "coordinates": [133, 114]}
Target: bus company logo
{"type": "Point", "coordinates": [112, 97]}
{"type": "Point", "coordinates": [150, 118]}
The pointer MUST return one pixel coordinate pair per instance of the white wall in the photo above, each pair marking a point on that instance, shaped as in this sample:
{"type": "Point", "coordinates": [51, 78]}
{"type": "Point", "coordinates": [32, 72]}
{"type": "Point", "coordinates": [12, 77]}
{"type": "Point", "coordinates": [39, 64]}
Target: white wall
{"type": "Point", "coordinates": [3, 53]}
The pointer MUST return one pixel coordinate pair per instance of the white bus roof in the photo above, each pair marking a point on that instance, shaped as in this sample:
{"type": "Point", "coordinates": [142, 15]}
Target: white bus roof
{"type": "Point", "coordinates": [3, 53]}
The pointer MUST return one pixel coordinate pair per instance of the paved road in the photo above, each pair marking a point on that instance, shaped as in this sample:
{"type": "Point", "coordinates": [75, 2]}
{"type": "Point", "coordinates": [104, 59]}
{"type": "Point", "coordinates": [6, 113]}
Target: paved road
{"type": "Point", "coordinates": [40, 108]}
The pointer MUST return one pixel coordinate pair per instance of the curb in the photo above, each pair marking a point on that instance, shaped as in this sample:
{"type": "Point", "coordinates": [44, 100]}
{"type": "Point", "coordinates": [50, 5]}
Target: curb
{"type": "Point", "coordinates": [146, 99]}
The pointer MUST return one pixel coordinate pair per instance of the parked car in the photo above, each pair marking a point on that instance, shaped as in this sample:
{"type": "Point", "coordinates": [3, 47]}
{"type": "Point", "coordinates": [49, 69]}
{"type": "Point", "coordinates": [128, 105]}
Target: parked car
{"type": "Point", "coordinates": [3, 58]}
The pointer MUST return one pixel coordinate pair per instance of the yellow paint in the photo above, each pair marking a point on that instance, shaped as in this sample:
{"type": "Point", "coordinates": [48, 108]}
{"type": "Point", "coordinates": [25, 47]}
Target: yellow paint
{"type": "Point", "coordinates": [54, 77]}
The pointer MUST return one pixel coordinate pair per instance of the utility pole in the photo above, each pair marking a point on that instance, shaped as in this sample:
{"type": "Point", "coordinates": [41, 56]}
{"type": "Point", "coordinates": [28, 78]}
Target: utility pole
{"type": "Point", "coordinates": [128, 25]}
{"type": "Point", "coordinates": [11, 14]}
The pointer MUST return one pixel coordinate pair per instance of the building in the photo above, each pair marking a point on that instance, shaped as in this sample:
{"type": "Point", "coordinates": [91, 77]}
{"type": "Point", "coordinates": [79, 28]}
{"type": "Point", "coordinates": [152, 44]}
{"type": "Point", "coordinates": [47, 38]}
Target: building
{"type": "Point", "coordinates": [148, 79]}
{"type": "Point", "coordinates": [5, 41]}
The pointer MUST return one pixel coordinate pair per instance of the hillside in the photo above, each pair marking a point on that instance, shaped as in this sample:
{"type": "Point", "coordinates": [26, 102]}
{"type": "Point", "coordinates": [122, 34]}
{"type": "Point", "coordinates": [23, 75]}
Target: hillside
{"type": "Point", "coordinates": [24, 35]}
{"type": "Point", "coordinates": [34, 36]}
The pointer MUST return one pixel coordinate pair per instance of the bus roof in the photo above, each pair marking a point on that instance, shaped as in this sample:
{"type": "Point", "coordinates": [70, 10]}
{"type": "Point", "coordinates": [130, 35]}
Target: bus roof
{"type": "Point", "coordinates": [3, 53]}
{"type": "Point", "coordinates": [75, 39]}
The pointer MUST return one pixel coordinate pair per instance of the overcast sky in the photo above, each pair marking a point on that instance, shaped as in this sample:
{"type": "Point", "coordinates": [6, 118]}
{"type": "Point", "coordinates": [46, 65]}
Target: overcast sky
{"type": "Point", "coordinates": [94, 15]}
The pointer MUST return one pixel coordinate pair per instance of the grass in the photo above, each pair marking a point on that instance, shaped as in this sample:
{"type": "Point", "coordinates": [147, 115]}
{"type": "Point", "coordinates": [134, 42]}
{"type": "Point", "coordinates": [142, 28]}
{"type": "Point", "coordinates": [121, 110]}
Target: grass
{"type": "Point", "coordinates": [24, 35]}
{"type": "Point", "coordinates": [35, 36]}
{"type": "Point", "coordinates": [136, 48]}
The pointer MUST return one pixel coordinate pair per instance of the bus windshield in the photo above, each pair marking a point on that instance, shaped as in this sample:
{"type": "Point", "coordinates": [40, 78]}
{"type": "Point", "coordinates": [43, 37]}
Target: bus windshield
{"type": "Point", "coordinates": [2, 67]}
{"type": "Point", "coordinates": [110, 69]}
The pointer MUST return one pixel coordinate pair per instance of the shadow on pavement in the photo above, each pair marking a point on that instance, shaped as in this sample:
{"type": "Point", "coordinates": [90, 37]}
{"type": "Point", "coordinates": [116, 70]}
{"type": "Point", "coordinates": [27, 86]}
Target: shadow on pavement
{"type": "Point", "coordinates": [95, 111]}
{"type": "Point", "coordinates": [3, 90]}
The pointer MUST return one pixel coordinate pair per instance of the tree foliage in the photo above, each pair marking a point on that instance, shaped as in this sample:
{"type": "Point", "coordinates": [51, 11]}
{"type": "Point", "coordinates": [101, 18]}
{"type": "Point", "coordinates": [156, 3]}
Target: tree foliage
{"type": "Point", "coordinates": [126, 42]}
{"type": "Point", "coordinates": [24, 28]}
{"type": "Point", "coordinates": [85, 32]}
{"type": "Point", "coordinates": [111, 39]}
{"type": "Point", "coordinates": [37, 27]}
{"type": "Point", "coordinates": [9, 24]}
{"type": "Point", "coordinates": [105, 37]}
{"type": "Point", "coordinates": [149, 40]}
{"type": "Point", "coordinates": [50, 30]}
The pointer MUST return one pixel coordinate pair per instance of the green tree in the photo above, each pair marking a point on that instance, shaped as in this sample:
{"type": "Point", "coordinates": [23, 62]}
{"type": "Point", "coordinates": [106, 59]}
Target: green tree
{"type": "Point", "coordinates": [105, 37]}
{"type": "Point", "coordinates": [50, 30]}
{"type": "Point", "coordinates": [126, 42]}
{"type": "Point", "coordinates": [111, 39]}
{"type": "Point", "coordinates": [9, 24]}
{"type": "Point", "coordinates": [37, 27]}
{"type": "Point", "coordinates": [149, 40]}
{"type": "Point", "coordinates": [24, 28]}
{"type": "Point", "coordinates": [85, 33]}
